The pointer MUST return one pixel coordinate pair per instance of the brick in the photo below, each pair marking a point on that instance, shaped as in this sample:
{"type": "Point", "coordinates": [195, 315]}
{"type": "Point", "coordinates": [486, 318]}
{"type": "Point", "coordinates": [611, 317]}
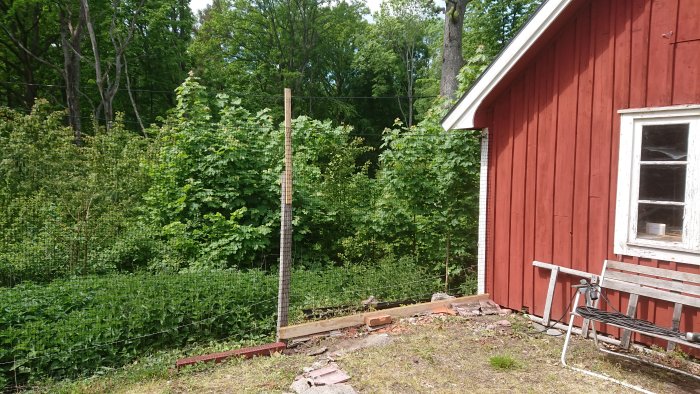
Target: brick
{"type": "Point", "coordinates": [374, 321]}
{"type": "Point", "coordinates": [248, 352]}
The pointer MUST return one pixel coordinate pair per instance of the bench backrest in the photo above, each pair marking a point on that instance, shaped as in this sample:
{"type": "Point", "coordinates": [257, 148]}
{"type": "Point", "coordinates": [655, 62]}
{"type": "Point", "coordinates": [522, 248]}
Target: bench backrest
{"type": "Point", "coordinates": [657, 283]}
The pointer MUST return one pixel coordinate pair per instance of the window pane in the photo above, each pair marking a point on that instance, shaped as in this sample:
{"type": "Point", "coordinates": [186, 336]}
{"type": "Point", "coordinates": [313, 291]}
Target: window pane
{"type": "Point", "coordinates": [660, 222]}
{"type": "Point", "coordinates": [665, 142]}
{"type": "Point", "coordinates": [662, 182]}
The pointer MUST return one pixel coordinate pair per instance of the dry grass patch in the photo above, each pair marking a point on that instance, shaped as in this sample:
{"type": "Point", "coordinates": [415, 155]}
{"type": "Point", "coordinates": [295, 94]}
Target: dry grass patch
{"type": "Point", "coordinates": [433, 355]}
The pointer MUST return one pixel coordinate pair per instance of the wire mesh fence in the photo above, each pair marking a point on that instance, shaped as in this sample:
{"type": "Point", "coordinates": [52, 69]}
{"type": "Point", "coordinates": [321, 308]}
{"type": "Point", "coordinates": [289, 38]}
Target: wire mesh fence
{"type": "Point", "coordinates": [125, 245]}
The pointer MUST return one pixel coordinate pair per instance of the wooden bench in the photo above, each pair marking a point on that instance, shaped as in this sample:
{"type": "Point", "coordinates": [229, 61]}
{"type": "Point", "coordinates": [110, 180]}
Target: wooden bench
{"type": "Point", "coordinates": [680, 288]}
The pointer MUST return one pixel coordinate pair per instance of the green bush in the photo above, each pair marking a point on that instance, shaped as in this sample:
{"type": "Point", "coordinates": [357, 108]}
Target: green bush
{"type": "Point", "coordinates": [71, 328]}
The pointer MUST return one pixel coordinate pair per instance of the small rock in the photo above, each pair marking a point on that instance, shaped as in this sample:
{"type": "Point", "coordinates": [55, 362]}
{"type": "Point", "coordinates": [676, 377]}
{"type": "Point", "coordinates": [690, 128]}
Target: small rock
{"type": "Point", "coordinates": [538, 327]}
{"type": "Point", "coordinates": [336, 333]}
{"type": "Point", "coordinates": [491, 327]}
{"type": "Point", "coordinates": [319, 364]}
{"type": "Point", "coordinates": [317, 351]}
{"type": "Point", "coordinates": [440, 297]}
{"type": "Point", "coordinates": [553, 332]}
{"type": "Point", "coordinates": [298, 341]}
{"type": "Point", "coordinates": [339, 388]}
{"type": "Point", "coordinates": [301, 385]}
{"type": "Point", "coordinates": [370, 301]}
{"type": "Point", "coordinates": [488, 307]}
{"type": "Point", "coordinates": [505, 312]}
{"type": "Point", "coordinates": [503, 323]}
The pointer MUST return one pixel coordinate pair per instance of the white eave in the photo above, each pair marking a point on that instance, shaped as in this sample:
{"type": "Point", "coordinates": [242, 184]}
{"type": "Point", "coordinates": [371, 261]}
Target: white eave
{"type": "Point", "coordinates": [461, 116]}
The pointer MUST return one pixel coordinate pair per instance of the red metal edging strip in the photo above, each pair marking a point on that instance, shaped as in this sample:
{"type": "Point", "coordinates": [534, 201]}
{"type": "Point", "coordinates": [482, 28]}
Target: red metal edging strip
{"type": "Point", "coordinates": [248, 352]}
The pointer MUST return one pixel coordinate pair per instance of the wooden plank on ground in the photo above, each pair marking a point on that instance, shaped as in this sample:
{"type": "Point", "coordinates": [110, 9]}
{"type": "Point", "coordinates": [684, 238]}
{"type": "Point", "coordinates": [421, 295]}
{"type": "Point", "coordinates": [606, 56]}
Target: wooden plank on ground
{"type": "Point", "coordinates": [338, 323]}
{"type": "Point", "coordinates": [249, 352]}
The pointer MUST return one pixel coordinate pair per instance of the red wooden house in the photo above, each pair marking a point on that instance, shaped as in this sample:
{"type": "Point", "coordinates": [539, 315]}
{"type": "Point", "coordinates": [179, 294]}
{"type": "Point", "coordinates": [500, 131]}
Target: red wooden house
{"type": "Point", "coordinates": [591, 148]}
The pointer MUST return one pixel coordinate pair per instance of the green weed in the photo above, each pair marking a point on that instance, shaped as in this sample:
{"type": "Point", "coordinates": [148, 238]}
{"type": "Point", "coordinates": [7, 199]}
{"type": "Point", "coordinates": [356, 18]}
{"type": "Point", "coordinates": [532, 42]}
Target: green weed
{"type": "Point", "coordinates": [503, 362]}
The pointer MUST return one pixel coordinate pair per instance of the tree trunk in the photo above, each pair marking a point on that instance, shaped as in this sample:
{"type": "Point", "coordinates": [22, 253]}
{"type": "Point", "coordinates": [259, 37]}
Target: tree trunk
{"type": "Point", "coordinates": [70, 45]}
{"type": "Point", "coordinates": [452, 59]}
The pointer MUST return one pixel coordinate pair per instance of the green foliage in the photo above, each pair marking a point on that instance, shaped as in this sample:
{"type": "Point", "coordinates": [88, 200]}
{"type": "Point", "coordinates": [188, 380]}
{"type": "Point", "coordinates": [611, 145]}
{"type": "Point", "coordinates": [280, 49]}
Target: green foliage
{"type": "Point", "coordinates": [71, 328]}
{"type": "Point", "coordinates": [215, 192]}
{"type": "Point", "coordinates": [67, 210]}
{"type": "Point", "coordinates": [212, 196]}
{"type": "Point", "coordinates": [395, 52]}
{"type": "Point", "coordinates": [427, 204]}
{"type": "Point", "coordinates": [503, 362]}
{"type": "Point", "coordinates": [253, 48]}
{"type": "Point", "coordinates": [492, 23]}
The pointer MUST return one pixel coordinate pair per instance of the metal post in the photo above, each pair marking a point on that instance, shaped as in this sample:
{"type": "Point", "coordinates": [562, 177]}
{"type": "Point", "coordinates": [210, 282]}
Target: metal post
{"type": "Point", "coordinates": [286, 218]}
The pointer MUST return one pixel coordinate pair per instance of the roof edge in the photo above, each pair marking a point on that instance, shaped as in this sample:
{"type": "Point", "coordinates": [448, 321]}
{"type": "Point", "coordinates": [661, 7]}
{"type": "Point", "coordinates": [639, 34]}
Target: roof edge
{"type": "Point", "coordinates": [462, 114]}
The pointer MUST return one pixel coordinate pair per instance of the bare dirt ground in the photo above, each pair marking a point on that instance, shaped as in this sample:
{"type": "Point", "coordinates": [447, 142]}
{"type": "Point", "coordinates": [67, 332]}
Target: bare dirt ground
{"type": "Point", "coordinates": [431, 354]}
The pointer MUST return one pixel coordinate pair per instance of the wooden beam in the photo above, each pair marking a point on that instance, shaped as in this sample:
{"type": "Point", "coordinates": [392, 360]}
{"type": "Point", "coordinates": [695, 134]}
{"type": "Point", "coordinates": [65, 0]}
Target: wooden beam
{"type": "Point", "coordinates": [248, 352]}
{"type": "Point", "coordinates": [550, 295]}
{"type": "Point", "coordinates": [338, 323]}
{"type": "Point", "coordinates": [676, 323]}
{"type": "Point", "coordinates": [631, 312]}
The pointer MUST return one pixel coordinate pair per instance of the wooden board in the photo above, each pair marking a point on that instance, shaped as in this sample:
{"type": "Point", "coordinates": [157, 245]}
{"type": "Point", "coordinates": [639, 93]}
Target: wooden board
{"type": "Point", "coordinates": [641, 11]}
{"type": "Point", "coordinates": [661, 273]}
{"type": "Point", "coordinates": [338, 323]}
{"type": "Point", "coordinates": [660, 82]}
{"type": "Point", "coordinates": [546, 151]}
{"type": "Point", "coordinates": [517, 204]}
{"type": "Point", "coordinates": [503, 187]}
{"type": "Point", "coordinates": [650, 292]}
{"type": "Point", "coordinates": [530, 192]}
{"type": "Point", "coordinates": [686, 83]}
{"type": "Point", "coordinates": [582, 166]}
{"type": "Point", "coordinates": [248, 352]}
{"type": "Point", "coordinates": [567, 58]}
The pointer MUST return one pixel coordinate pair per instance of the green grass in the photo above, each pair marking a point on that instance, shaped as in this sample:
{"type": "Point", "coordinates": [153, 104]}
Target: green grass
{"type": "Point", "coordinates": [503, 362]}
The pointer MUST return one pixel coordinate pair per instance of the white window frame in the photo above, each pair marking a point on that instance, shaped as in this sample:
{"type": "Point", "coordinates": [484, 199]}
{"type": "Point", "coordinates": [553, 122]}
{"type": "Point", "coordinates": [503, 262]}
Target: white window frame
{"type": "Point", "coordinates": [626, 242]}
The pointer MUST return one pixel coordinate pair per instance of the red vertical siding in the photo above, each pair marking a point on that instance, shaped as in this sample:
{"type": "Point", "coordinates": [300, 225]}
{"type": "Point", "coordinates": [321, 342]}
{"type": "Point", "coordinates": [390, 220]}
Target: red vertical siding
{"type": "Point", "coordinates": [517, 205]}
{"type": "Point", "coordinates": [555, 140]}
{"type": "Point", "coordinates": [532, 116]}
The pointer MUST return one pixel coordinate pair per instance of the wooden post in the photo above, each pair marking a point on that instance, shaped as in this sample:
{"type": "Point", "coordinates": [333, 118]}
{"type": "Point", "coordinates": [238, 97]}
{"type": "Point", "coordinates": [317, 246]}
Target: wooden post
{"type": "Point", "coordinates": [286, 218]}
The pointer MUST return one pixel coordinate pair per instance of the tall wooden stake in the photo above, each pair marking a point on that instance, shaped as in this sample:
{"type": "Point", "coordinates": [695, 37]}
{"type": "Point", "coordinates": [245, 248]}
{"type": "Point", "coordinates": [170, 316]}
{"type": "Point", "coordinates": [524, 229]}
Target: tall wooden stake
{"type": "Point", "coordinates": [286, 219]}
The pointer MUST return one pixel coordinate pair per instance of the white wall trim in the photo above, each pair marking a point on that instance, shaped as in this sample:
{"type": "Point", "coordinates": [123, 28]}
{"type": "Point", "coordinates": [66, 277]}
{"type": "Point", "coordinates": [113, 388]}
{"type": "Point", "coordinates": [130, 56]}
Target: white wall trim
{"type": "Point", "coordinates": [462, 114]}
{"type": "Point", "coordinates": [483, 195]}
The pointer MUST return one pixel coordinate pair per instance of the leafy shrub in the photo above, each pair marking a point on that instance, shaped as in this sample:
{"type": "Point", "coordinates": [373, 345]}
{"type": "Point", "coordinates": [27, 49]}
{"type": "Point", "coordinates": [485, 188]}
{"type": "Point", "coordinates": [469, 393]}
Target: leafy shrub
{"type": "Point", "coordinates": [65, 208]}
{"type": "Point", "coordinates": [70, 328]}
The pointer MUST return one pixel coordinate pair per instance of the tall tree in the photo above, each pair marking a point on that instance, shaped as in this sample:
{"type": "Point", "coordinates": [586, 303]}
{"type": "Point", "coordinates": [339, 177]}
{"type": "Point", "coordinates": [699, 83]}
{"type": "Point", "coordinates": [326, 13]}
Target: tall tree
{"type": "Point", "coordinates": [254, 48]}
{"type": "Point", "coordinates": [27, 35]}
{"type": "Point", "coordinates": [452, 58]}
{"type": "Point", "coordinates": [71, 22]}
{"type": "Point", "coordinates": [120, 32]}
{"type": "Point", "coordinates": [396, 50]}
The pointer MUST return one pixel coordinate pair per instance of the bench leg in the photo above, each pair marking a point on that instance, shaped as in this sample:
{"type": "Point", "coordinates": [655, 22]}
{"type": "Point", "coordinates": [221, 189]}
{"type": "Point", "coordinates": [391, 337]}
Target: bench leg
{"type": "Point", "coordinates": [566, 340]}
{"type": "Point", "coordinates": [595, 334]}
{"type": "Point", "coordinates": [583, 371]}
{"type": "Point", "coordinates": [568, 330]}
